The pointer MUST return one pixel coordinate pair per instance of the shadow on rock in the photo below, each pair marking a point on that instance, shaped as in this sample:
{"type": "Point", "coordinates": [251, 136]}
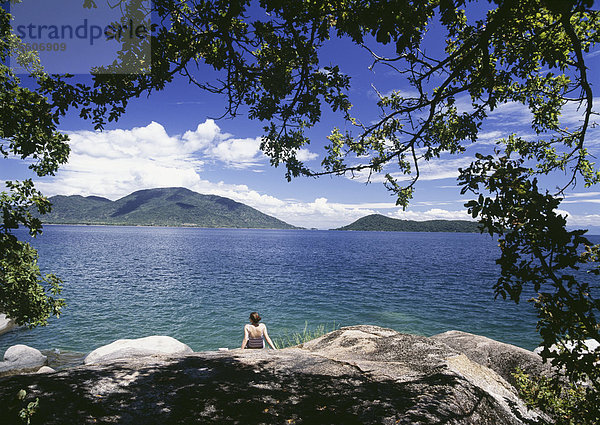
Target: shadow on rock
{"type": "Point", "coordinates": [356, 375]}
{"type": "Point", "coordinates": [222, 389]}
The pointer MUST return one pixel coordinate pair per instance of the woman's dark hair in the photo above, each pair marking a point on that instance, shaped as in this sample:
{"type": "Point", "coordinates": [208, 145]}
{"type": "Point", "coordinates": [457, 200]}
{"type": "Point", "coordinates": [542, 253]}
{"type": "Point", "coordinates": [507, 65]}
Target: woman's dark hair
{"type": "Point", "coordinates": [254, 317]}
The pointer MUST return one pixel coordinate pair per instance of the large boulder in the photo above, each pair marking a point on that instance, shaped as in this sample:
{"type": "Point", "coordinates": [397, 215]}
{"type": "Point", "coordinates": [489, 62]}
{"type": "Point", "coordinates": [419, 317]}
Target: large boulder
{"type": "Point", "coordinates": [21, 358]}
{"type": "Point", "coordinates": [6, 324]}
{"type": "Point", "coordinates": [141, 347]}
{"type": "Point", "coordinates": [355, 375]}
{"type": "Point", "coordinates": [502, 358]}
{"type": "Point", "coordinates": [442, 378]}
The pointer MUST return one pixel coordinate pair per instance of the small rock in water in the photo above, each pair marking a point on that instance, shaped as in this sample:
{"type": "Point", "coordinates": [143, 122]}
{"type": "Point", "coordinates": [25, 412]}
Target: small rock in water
{"type": "Point", "coordinates": [22, 358]}
{"type": "Point", "coordinates": [45, 369]}
{"type": "Point", "coordinates": [6, 324]}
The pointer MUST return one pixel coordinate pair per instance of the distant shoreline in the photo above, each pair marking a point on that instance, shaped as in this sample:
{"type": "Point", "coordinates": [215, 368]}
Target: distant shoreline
{"type": "Point", "coordinates": [258, 228]}
{"type": "Point", "coordinates": [174, 226]}
{"type": "Point", "coordinates": [241, 228]}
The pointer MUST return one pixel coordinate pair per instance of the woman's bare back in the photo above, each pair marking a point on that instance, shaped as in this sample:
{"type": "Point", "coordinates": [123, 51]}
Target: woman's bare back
{"type": "Point", "coordinates": [255, 331]}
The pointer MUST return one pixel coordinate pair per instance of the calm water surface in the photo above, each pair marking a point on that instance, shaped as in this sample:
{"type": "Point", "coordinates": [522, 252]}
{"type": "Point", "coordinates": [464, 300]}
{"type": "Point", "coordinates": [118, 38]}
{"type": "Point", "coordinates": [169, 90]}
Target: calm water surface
{"type": "Point", "coordinates": [199, 285]}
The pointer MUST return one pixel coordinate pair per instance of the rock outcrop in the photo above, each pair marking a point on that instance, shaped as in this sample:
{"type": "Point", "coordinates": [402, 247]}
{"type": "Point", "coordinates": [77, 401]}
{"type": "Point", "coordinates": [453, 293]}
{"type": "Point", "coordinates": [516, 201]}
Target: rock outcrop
{"type": "Point", "coordinates": [141, 347]}
{"type": "Point", "coordinates": [6, 324]}
{"type": "Point", "coordinates": [355, 375]}
{"type": "Point", "coordinates": [502, 358]}
{"type": "Point", "coordinates": [21, 358]}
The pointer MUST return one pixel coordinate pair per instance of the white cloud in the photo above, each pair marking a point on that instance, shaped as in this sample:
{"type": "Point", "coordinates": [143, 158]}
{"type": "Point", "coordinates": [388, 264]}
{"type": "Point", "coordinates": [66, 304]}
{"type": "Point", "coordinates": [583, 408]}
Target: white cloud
{"type": "Point", "coordinates": [330, 212]}
{"type": "Point", "coordinates": [237, 153]}
{"type": "Point", "coordinates": [319, 213]}
{"type": "Point", "coordinates": [305, 155]}
{"type": "Point", "coordinates": [592, 54]}
{"type": "Point", "coordinates": [511, 114]}
{"type": "Point", "coordinates": [432, 214]}
{"type": "Point", "coordinates": [579, 198]}
{"type": "Point", "coordinates": [583, 220]}
{"type": "Point", "coordinates": [436, 169]}
{"type": "Point", "coordinates": [444, 168]}
{"type": "Point", "coordinates": [203, 136]}
{"type": "Point", "coordinates": [516, 114]}
{"type": "Point", "coordinates": [573, 113]}
{"type": "Point", "coordinates": [436, 203]}
{"type": "Point", "coordinates": [491, 137]}
{"type": "Point", "coordinates": [590, 201]}
{"type": "Point", "coordinates": [116, 162]}
{"type": "Point", "coordinates": [405, 93]}
{"type": "Point", "coordinates": [371, 205]}
{"type": "Point", "coordinates": [582, 195]}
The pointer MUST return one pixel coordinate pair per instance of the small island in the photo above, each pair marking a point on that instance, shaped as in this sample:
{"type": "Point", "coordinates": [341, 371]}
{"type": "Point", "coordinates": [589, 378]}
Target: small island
{"type": "Point", "coordinates": [381, 223]}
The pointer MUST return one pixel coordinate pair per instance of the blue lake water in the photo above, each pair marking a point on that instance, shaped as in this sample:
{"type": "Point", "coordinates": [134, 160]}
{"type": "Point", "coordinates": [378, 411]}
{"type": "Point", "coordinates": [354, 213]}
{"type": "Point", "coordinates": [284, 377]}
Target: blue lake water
{"type": "Point", "coordinates": [199, 285]}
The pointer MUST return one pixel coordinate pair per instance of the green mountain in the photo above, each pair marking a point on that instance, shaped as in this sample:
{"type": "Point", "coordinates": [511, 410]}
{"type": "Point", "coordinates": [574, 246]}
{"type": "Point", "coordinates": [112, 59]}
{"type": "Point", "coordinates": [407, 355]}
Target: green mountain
{"type": "Point", "coordinates": [380, 222]}
{"type": "Point", "coordinates": [160, 207]}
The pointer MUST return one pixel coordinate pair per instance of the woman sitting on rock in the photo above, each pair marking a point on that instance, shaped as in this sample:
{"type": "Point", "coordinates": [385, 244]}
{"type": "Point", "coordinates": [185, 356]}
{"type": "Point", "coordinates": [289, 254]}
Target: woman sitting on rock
{"type": "Point", "coordinates": [254, 333]}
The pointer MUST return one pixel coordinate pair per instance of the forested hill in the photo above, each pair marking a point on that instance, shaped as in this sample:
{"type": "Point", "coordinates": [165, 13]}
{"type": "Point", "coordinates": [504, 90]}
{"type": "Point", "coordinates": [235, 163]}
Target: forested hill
{"type": "Point", "coordinates": [378, 222]}
{"type": "Point", "coordinates": [160, 207]}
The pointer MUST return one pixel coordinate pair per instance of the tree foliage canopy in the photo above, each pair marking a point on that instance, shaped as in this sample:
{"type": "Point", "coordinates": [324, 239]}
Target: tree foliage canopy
{"type": "Point", "coordinates": [267, 53]}
{"type": "Point", "coordinates": [28, 129]}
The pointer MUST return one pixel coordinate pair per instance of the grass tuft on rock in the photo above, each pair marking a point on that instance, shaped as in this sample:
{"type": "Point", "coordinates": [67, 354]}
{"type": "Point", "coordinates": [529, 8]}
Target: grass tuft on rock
{"type": "Point", "coordinates": [292, 339]}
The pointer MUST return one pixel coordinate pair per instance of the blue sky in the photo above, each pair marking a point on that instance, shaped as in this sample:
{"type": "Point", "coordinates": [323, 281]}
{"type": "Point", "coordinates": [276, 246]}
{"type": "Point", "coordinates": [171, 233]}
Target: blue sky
{"type": "Point", "coordinates": [171, 139]}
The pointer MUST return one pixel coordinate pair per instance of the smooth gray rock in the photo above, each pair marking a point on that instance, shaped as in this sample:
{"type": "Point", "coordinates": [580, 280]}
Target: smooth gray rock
{"type": "Point", "coordinates": [502, 358]}
{"type": "Point", "coordinates": [45, 369]}
{"type": "Point", "coordinates": [6, 324]}
{"type": "Point", "coordinates": [424, 363]}
{"type": "Point", "coordinates": [21, 358]}
{"type": "Point", "coordinates": [141, 347]}
{"type": "Point", "coordinates": [355, 375]}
